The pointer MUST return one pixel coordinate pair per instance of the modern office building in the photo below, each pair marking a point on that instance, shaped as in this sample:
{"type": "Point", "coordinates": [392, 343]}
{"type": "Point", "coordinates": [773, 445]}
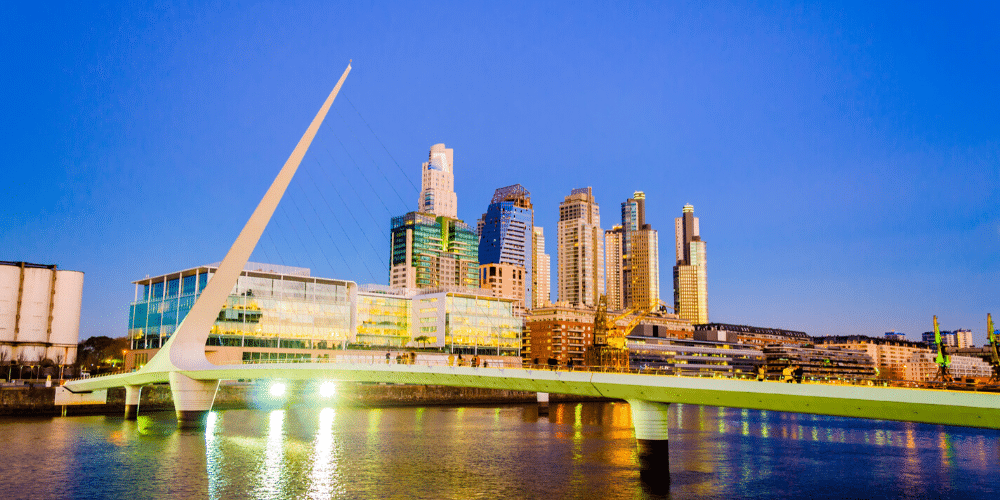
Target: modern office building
{"type": "Point", "coordinates": [433, 252]}
{"type": "Point", "coordinates": [692, 357]}
{"type": "Point", "coordinates": [505, 237]}
{"type": "Point", "coordinates": [437, 192]}
{"type": "Point", "coordinates": [541, 274]}
{"type": "Point", "coordinates": [690, 281]}
{"type": "Point", "coordinates": [580, 249]}
{"type": "Point", "coordinates": [819, 362]}
{"type": "Point", "coordinates": [632, 257]}
{"type": "Point", "coordinates": [281, 312]}
{"type": "Point", "coordinates": [39, 313]}
{"type": "Point", "coordinates": [890, 355]}
{"type": "Point", "coordinates": [956, 338]}
{"type": "Point", "coordinates": [431, 247]}
{"type": "Point", "coordinates": [744, 334]}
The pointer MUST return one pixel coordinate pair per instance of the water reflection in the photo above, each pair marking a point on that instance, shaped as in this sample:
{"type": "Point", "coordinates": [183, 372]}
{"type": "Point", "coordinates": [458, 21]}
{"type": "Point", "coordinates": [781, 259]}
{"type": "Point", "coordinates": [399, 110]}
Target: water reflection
{"type": "Point", "coordinates": [271, 477]}
{"type": "Point", "coordinates": [490, 452]}
{"type": "Point", "coordinates": [324, 477]}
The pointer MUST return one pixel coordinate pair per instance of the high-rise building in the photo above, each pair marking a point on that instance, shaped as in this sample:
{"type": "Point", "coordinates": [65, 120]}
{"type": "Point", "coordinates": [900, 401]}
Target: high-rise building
{"type": "Point", "coordinates": [437, 192]}
{"type": "Point", "coordinates": [432, 252]}
{"type": "Point", "coordinates": [506, 281]}
{"type": "Point", "coordinates": [505, 234]}
{"type": "Point", "coordinates": [580, 249]}
{"type": "Point", "coordinates": [540, 275]}
{"type": "Point", "coordinates": [431, 247]}
{"type": "Point", "coordinates": [632, 256]}
{"type": "Point", "coordinates": [690, 282]}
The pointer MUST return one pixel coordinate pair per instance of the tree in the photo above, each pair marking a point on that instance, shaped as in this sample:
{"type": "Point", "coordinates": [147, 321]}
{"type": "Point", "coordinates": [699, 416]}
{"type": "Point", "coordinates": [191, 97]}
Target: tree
{"type": "Point", "coordinates": [423, 339]}
{"type": "Point", "coordinates": [96, 352]}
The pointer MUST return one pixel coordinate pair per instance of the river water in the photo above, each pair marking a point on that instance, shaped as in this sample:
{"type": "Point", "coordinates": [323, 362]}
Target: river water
{"type": "Point", "coordinates": [583, 450]}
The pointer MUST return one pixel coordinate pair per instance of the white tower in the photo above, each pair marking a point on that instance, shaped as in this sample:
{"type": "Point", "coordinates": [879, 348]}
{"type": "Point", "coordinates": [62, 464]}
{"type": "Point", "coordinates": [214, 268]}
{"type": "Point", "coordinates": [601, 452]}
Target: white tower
{"type": "Point", "coordinates": [437, 190]}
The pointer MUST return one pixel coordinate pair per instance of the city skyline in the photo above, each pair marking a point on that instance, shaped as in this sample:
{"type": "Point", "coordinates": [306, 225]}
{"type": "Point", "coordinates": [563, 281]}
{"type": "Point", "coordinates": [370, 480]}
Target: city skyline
{"type": "Point", "coordinates": [849, 191]}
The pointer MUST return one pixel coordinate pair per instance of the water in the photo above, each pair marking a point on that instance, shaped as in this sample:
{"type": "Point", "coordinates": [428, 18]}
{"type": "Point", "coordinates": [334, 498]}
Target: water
{"type": "Point", "coordinates": [578, 451]}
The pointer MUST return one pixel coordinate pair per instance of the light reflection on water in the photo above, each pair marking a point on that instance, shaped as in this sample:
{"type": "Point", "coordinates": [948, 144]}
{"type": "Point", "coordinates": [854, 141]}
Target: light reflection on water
{"type": "Point", "coordinates": [580, 450]}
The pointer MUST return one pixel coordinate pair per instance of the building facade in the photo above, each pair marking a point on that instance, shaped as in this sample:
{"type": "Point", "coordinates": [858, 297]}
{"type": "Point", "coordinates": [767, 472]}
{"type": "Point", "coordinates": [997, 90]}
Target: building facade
{"type": "Point", "coordinates": [541, 287]}
{"type": "Point", "coordinates": [632, 259]}
{"type": "Point", "coordinates": [431, 252]}
{"type": "Point", "coordinates": [39, 313]}
{"type": "Point", "coordinates": [744, 334]}
{"type": "Point", "coordinates": [920, 367]}
{"type": "Point", "coordinates": [956, 338]}
{"type": "Point", "coordinates": [819, 362]}
{"type": "Point", "coordinates": [889, 355]}
{"type": "Point", "coordinates": [505, 236]}
{"type": "Point", "coordinates": [281, 312]}
{"type": "Point", "coordinates": [560, 332]}
{"type": "Point", "coordinates": [507, 281]}
{"type": "Point", "coordinates": [692, 357]}
{"type": "Point", "coordinates": [690, 279]}
{"type": "Point", "coordinates": [580, 249]}
{"type": "Point", "coordinates": [437, 184]}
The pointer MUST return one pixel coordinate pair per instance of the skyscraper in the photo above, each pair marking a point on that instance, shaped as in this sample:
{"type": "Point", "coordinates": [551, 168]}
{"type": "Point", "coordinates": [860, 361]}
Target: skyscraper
{"type": "Point", "coordinates": [690, 282]}
{"type": "Point", "coordinates": [580, 249]}
{"type": "Point", "coordinates": [505, 234]}
{"type": "Point", "coordinates": [437, 188]}
{"type": "Point", "coordinates": [431, 252]}
{"type": "Point", "coordinates": [633, 268]}
{"type": "Point", "coordinates": [431, 247]}
{"type": "Point", "coordinates": [540, 275]}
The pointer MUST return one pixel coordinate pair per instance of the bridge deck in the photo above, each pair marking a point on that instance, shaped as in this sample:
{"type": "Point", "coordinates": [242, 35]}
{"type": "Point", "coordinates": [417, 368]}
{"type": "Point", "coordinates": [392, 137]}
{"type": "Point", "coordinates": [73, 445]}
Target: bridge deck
{"type": "Point", "coordinates": [970, 409]}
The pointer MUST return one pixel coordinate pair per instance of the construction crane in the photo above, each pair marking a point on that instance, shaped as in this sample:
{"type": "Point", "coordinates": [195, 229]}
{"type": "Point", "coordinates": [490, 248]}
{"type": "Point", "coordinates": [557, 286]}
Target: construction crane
{"type": "Point", "coordinates": [612, 353]}
{"type": "Point", "coordinates": [994, 339]}
{"type": "Point", "coordinates": [943, 360]}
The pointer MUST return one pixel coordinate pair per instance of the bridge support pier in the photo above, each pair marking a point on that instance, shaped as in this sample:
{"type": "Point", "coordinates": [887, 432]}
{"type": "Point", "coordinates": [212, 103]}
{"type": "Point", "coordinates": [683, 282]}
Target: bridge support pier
{"type": "Point", "coordinates": [132, 393]}
{"type": "Point", "coordinates": [650, 422]}
{"type": "Point", "coordinates": [543, 402]}
{"type": "Point", "coordinates": [193, 399]}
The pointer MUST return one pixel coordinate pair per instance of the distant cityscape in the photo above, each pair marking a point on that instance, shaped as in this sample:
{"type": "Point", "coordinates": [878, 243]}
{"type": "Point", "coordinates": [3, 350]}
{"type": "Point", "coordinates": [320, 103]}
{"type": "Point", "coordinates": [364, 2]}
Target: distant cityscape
{"type": "Point", "coordinates": [482, 290]}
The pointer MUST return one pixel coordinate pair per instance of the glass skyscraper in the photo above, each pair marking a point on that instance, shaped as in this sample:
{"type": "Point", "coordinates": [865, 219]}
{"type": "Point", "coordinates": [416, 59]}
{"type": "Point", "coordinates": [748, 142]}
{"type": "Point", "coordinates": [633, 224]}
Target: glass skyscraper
{"type": "Point", "coordinates": [506, 234]}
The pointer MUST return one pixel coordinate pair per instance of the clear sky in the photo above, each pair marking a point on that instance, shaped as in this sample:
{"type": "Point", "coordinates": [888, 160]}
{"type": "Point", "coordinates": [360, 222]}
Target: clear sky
{"type": "Point", "coordinates": [844, 158]}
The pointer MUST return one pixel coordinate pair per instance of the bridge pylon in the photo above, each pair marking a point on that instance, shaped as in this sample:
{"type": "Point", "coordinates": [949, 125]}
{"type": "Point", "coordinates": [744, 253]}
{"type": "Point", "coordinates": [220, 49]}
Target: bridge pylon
{"type": "Point", "coordinates": [193, 399]}
{"type": "Point", "coordinates": [132, 394]}
{"type": "Point", "coordinates": [650, 421]}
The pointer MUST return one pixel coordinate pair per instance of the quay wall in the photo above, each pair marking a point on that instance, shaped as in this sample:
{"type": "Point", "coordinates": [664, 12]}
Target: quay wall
{"type": "Point", "coordinates": [26, 401]}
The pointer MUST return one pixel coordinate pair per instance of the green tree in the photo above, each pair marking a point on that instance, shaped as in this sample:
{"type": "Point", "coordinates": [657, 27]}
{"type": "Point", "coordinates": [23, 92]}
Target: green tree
{"type": "Point", "coordinates": [423, 339]}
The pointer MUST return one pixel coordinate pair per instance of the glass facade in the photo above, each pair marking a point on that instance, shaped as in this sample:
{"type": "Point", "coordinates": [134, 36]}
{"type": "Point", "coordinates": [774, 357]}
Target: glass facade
{"type": "Point", "coordinates": [383, 320]}
{"type": "Point", "coordinates": [264, 310]}
{"type": "Point", "coordinates": [439, 251]}
{"type": "Point", "coordinates": [481, 324]}
{"type": "Point", "coordinates": [275, 310]}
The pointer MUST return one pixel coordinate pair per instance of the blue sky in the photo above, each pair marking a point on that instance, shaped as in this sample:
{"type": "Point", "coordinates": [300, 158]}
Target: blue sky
{"type": "Point", "coordinates": [843, 157]}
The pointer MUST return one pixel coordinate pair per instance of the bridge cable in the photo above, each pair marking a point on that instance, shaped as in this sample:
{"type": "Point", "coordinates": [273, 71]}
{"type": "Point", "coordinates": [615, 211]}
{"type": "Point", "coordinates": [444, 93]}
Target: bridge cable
{"type": "Point", "coordinates": [377, 167]}
{"type": "Point", "coordinates": [329, 234]}
{"type": "Point", "coordinates": [280, 258]}
{"type": "Point", "coordinates": [356, 193]}
{"type": "Point", "coordinates": [351, 212]}
{"type": "Point", "coordinates": [299, 237]}
{"type": "Point", "coordinates": [363, 176]}
{"type": "Point", "coordinates": [414, 186]}
{"type": "Point", "coordinates": [313, 234]}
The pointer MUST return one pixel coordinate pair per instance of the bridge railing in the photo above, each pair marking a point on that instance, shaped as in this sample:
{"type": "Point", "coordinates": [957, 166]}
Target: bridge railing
{"type": "Point", "coordinates": [467, 362]}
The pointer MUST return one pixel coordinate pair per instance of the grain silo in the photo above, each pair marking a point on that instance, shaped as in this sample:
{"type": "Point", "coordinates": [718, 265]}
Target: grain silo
{"type": "Point", "coordinates": [39, 312]}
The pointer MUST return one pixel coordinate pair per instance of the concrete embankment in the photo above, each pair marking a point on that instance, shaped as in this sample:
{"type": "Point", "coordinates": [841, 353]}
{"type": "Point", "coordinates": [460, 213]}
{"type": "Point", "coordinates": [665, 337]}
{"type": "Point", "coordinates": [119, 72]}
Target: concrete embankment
{"type": "Point", "coordinates": [24, 401]}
